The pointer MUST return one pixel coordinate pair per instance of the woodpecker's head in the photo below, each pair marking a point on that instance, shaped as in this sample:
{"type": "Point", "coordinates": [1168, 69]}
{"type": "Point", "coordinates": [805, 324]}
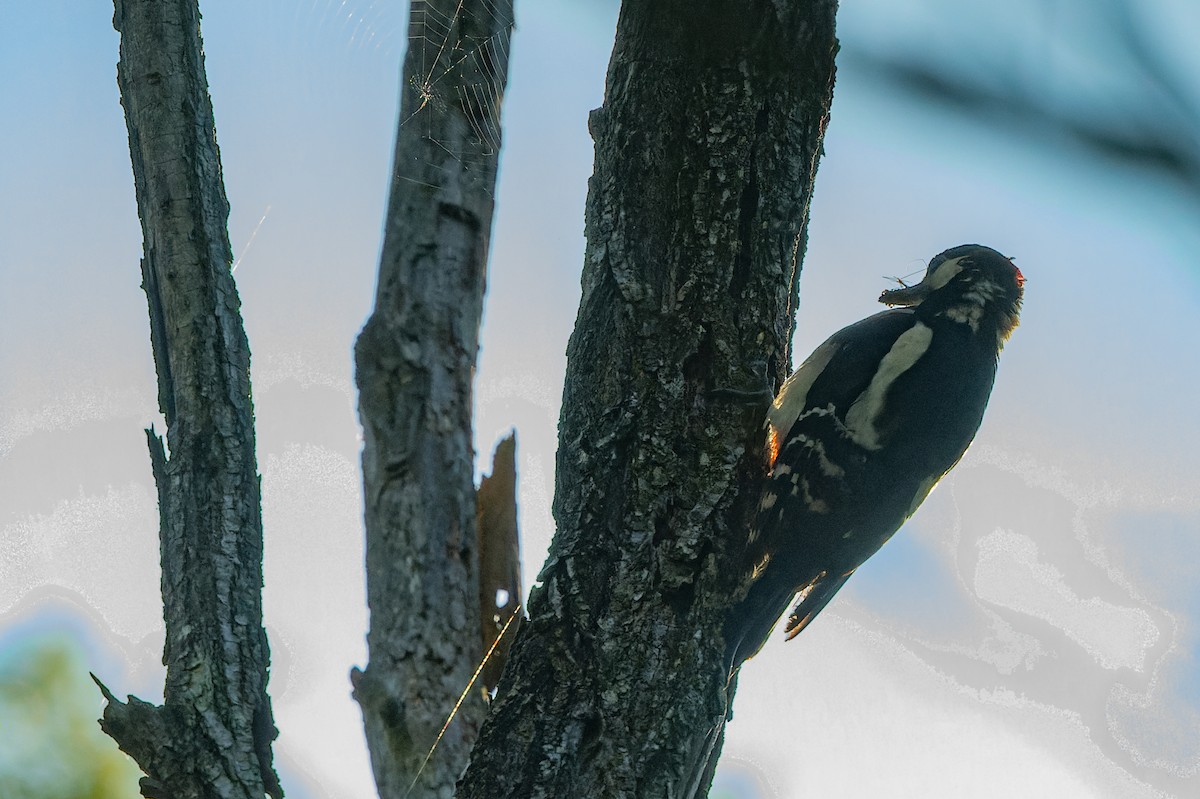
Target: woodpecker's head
{"type": "Point", "coordinates": [972, 285]}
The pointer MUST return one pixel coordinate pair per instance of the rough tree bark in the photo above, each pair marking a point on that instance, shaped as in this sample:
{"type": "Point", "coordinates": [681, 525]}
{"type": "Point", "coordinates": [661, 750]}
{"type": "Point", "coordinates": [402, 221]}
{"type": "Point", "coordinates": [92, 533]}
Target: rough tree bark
{"type": "Point", "coordinates": [212, 735]}
{"type": "Point", "coordinates": [706, 150]}
{"type": "Point", "coordinates": [415, 360]}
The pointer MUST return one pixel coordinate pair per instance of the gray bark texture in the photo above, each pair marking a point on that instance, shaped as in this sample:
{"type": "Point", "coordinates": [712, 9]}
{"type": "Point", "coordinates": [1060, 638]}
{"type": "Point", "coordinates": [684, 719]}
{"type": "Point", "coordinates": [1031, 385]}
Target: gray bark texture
{"type": "Point", "coordinates": [706, 150]}
{"type": "Point", "coordinates": [212, 735]}
{"type": "Point", "coordinates": [415, 361]}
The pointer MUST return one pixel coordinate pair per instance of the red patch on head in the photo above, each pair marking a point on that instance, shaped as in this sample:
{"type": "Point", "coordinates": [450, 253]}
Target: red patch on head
{"type": "Point", "coordinates": [1020, 277]}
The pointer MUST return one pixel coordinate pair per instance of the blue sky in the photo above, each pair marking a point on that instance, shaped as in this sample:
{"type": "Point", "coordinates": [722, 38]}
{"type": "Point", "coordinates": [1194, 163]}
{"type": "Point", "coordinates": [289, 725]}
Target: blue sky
{"type": "Point", "coordinates": [1033, 630]}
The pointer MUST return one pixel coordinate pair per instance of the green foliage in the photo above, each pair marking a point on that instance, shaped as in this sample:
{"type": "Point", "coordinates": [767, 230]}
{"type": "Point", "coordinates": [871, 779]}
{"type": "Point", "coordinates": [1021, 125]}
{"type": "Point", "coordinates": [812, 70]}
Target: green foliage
{"type": "Point", "coordinates": [50, 744]}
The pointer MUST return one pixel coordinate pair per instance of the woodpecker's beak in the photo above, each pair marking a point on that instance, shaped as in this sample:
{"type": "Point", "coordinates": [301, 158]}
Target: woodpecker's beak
{"type": "Point", "coordinates": [907, 296]}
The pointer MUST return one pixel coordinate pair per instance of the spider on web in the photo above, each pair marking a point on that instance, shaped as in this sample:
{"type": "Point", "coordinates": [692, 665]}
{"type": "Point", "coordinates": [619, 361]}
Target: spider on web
{"type": "Point", "coordinates": [462, 55]}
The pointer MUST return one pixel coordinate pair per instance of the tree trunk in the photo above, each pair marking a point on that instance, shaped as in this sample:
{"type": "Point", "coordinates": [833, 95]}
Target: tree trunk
{"type": "Point", "coordinates": [415, 361]}
{"type": "Point", "coordinates": [706, 150]}
{"type": "Point", "coordinates": [212, 735]}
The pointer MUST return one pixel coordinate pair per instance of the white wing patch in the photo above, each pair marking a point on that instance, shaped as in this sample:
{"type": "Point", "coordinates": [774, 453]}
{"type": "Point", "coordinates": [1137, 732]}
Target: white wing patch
{"type": "Point", "coordinates": [789, 403]}
{"type": "Point", "coordinates": [908, 349]}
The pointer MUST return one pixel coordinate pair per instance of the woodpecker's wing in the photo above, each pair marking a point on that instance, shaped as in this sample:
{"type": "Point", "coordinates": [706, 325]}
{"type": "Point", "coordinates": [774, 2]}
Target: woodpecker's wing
{"type": "Point", "coordinates": [813, 603]}
{"type": "Point", "coordinates": [817, 466]}
{"type": "Point", "coordinates": [839, 370]}
{"type": "Point", "coordinates": [808, 505]}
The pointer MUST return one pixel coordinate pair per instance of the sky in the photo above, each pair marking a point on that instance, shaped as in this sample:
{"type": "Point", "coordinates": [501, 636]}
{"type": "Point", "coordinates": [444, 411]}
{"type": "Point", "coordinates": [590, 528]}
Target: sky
{"type": "Point", "coordinates": [1032, 631]}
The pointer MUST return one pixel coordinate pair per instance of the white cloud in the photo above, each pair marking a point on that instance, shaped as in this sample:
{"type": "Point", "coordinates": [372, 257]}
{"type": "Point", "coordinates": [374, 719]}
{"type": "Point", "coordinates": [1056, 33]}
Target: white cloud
{"type": "Point", "coordinates": [1010, 574]}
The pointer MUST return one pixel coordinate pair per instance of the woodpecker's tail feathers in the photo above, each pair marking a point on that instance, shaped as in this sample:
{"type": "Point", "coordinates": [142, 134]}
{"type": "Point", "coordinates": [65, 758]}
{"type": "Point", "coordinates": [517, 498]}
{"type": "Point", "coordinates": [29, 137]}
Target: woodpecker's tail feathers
{"type": "Point", "coordinates": [751, 621]}
{"type": "Point", "coordinates": [813, 602]}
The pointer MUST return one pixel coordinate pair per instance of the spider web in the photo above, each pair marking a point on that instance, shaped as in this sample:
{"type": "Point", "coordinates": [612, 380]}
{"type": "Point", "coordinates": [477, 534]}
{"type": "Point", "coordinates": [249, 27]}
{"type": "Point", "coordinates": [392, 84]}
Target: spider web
{"type": "Point", "coordinates": [460, 54]}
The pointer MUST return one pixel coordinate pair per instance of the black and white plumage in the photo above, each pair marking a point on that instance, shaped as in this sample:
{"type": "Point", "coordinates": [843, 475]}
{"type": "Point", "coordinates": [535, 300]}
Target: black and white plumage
{"type": "Point", "coordinates": [863, 430]}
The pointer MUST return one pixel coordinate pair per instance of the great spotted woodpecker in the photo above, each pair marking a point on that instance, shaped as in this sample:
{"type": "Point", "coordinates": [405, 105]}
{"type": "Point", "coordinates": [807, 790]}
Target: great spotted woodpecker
{"type": "Point", "coordinates": [863, 430]}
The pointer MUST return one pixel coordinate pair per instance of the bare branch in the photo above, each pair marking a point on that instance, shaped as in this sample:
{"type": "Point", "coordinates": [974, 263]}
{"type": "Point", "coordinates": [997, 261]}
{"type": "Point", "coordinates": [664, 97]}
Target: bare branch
{"type": "Point", "coordinates": [1155, 128]}
{"type": "Point", "coordinates": [415, 360]}
{"type": "Point", "coordinates": [212, 736]}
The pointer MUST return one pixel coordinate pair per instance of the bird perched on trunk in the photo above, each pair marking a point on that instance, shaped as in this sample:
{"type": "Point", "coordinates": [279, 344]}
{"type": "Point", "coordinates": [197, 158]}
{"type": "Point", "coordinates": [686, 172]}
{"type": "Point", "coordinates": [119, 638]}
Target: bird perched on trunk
{"type": "Point", "coordinates": [863, 430]}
